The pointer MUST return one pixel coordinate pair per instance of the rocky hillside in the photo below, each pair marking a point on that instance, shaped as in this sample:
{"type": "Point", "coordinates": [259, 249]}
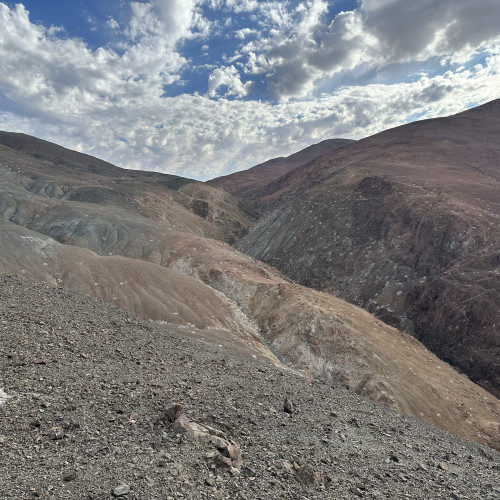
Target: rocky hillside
{"type": "Point", "coordinates": [406, 225]}
{"type": "Point", "coordinates": [137, 243]}
{"type": "Point", "coordinates": [88, 396]}
{"type": "Point", "coordinates": [31, 168]}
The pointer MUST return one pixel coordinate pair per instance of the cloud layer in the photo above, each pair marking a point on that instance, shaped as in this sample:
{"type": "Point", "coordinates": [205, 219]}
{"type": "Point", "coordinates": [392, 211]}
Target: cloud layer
{"type": "Point", "coordinates": [289, 74]}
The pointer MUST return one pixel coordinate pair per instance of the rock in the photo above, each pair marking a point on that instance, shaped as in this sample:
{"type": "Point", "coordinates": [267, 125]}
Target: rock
{"type": "Point", "coordinates": [69, 476]}
{"type": "Point", "coordinates": [307, 476]}
{"type": "Point", "coordinates": [288, 406]}
{"type": "Point", "coordinates": [356, 491]}
{"type": "Point", "coordinates": [233, 452]}
{"type": "Point", "coordinates": [209, 481]}
{"type": "Point", "coordinates": [354, 422]}
{"type": "Point", "coordinates": [170, 414]}
{"type": "Point", "coordinates": [56, 434]}
{"type": "Point", "coordinates": [443, 466]}
{"type": "Point", "coordinates": [121, 490]}
{"type": "Point", "coordinates": [486, 453]}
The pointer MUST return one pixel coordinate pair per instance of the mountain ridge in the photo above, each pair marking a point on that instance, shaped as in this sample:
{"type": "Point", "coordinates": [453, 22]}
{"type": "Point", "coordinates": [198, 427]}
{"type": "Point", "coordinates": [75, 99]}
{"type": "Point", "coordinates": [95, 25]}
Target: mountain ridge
{"type": "Point", "coordinates": [405, 224]}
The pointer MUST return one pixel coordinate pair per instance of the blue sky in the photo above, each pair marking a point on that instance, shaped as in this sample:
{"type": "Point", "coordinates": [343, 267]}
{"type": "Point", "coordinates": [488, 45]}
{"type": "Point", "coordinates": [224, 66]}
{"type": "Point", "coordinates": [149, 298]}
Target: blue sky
{"type": "Point", "coordinates": [201, 88]}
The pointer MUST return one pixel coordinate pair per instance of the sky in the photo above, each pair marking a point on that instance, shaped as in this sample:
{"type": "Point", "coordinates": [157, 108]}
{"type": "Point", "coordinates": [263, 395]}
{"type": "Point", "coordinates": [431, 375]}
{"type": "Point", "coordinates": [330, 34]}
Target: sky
{"type": "Point", "coordinates": [202, 88]}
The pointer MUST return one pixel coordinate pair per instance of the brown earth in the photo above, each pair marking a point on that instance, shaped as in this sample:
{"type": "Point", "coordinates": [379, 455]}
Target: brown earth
{"type": "Point", "coordinates": [111, 243]}
{"type": "Point", "coordinates": [405, 224]}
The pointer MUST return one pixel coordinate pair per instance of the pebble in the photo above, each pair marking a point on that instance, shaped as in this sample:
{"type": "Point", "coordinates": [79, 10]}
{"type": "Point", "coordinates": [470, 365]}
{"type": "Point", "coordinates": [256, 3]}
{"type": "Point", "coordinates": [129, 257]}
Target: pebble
{"type": "Point", "coordinates": [288, 406]}
{"type": "Point", "coordinates": [69, 476]}
{"type": "Point", "coordinates": [121, 490]}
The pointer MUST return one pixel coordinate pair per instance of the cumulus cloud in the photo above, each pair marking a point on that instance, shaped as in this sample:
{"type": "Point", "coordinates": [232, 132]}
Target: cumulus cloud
{"type": "Point", "coordinates": [228, 78]}
{"type": "Point", "coordinates": [171, 20]}
{"type": "Point", "coordinates": [377, 34]}
{"type": "Point", "coordinates": [111, 102]}
{"type": "Point", "coordinates": [113, 23]}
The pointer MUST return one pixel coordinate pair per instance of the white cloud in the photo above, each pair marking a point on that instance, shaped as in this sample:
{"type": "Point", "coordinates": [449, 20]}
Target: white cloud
{"type": "Point", "coordinates": [109, 102]}
{"type": "Point", "coordinates": [172, 20]}
{"type": "Point", "coordinates": [228, 78]}
{"type": "Point", "coordinates": [377, 34]}
{"type": "Point", "coordinates": [113, 23]}
{"type": "Point", "coordinates": [243, 33]}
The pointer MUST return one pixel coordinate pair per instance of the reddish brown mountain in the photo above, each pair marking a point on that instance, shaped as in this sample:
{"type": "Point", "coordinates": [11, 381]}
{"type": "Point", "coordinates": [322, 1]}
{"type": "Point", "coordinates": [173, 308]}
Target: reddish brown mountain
{"type": "Point", "coordinates": [406, 224]}
{"type": "Point", "coordinates": [248, 183]}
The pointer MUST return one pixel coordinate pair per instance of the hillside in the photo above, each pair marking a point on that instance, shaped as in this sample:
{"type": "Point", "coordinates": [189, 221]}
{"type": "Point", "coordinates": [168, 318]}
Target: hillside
{"type": "Point", "coordinates": [406, 225]}
{"type": "Point", "coordinates": [138, 241]}
{"type": "Point", "coordinates": [249, 183]}
{"type": "Point", "coordinates": [84, 385]}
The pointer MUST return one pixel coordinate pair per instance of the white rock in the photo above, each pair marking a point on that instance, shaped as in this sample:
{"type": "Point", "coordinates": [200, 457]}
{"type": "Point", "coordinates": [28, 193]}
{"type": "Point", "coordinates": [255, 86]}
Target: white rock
{"type": "Point", "coordinates": [3, 397]}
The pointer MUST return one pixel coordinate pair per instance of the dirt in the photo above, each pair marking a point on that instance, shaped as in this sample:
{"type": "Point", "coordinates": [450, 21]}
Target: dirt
{"type": "Point", "coordinates": [84, 386]}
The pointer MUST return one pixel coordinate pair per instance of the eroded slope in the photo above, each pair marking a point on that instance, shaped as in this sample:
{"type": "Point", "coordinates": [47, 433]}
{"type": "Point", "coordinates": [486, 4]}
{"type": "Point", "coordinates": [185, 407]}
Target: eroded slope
{"type": "Point", "coordinates": [405, 224]}
{"type": "Point", "coordinates": [169, 270]}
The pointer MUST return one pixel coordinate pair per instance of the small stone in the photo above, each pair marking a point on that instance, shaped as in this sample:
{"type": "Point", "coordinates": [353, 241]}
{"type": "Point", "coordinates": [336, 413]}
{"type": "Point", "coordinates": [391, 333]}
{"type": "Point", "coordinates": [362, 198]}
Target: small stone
{"type": "Point", "coordinates": [443, 466]}
{"type": "Point", "coordinates": [288, 406]}
{"type": "Point", "coordinates": [307, 476]}
{"type": "Point", "coordinates": [121, 490]}
{"type": "Point", "coordinates": [224, 462]}
{"type": "Point", "coordinates": [354, 422]}
{"type": "Point", "coordinates": [356, 491]}
{"type": "Point", "coordinates": [486, 453]}
{"type": "Point", "coordinates": [56, 434]}
{"type": "Point", "coordinates": [171, 413]}
{"type": "Point", "coordinates": [209, 481]}
{"type": "Point", "coordinates": [422, 467]}
{"type": "Point", "coordinates": [233, 452]}
{"type": "Point", "coordinates": [69, 476]}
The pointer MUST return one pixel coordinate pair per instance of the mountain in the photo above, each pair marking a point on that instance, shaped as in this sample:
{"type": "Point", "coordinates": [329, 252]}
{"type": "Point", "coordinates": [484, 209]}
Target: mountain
{"type": "Point", "coordinates": [406, 225]}
{"type": "Point", "coordinates": [248, 183]}
{"type": "Point", "coordinates": [139, 240]}
{"type": "Point", "coordinates": [84, 391]}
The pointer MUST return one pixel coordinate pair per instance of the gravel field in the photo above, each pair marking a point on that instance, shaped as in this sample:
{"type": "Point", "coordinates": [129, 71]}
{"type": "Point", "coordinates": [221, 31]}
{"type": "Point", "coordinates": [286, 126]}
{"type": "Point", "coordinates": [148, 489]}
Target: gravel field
{"type": "Point", "coordinates": [84, 385]}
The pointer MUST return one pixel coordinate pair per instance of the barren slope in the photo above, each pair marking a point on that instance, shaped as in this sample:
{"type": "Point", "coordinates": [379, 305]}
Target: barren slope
{"type": "Point", "coordinates": [249, 183]}
{"type": "Point", "coordinates": [83, 385]}
{"type": "Point", "coordinates": [58, 174]}
{"type": "Point", "coordinates": [134, 258]}
{"type": "Point", "coordinates": [407, 225]}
